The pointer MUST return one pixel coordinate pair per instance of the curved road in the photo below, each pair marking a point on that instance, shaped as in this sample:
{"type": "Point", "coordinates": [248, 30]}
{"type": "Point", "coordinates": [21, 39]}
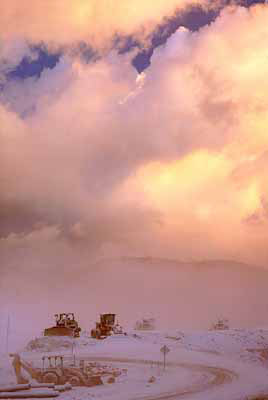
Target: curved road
{"type": "Point", "coordinates": [219, 376]}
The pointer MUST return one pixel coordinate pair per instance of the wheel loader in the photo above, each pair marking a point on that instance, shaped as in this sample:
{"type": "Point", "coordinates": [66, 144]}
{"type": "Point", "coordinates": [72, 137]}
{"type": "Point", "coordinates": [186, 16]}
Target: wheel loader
{"type": "Point", "coordinates": [106, 327]}
{"type": "Point", "coordinates": [54, 371]}
{"type": "Point", "coordinates": [66, 325]}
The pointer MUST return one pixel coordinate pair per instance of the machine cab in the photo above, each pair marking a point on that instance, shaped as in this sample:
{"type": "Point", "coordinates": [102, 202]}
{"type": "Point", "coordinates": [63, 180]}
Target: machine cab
{"type": "Point", "coordinates": [107, 319]}
{"type": "Point", "coordinates": [64, 319]}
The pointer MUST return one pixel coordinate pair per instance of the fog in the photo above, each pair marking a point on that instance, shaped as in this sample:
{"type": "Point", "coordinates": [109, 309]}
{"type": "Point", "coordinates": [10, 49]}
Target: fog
{"type": "Point", "coordinates": [182, 296]}
{"type": "Point", "coordinates": [98, 162]}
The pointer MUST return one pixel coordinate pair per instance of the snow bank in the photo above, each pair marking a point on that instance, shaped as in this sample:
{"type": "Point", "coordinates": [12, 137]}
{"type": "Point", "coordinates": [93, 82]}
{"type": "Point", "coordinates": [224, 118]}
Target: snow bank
{"type": "Point", "coordinates": [249, 345]}
{"type": "Point", "coordinates": [217, 349]}
{"type": "Point", "coordinates": [57, 343]}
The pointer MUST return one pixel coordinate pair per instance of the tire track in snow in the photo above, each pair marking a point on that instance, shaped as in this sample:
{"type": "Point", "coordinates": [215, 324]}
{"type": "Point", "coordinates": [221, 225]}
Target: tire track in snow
{"type": "Point", "coordinates": [219, 376]}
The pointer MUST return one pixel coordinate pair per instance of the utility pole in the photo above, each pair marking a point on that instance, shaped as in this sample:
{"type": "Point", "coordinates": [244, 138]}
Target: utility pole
{"type": "Point", "coordinates": [7, 333]}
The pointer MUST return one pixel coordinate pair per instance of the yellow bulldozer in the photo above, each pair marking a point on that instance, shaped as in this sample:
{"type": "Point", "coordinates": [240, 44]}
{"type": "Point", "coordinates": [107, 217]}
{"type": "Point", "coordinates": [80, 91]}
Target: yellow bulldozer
{"type": "Point", "coordinates": [66, 325]}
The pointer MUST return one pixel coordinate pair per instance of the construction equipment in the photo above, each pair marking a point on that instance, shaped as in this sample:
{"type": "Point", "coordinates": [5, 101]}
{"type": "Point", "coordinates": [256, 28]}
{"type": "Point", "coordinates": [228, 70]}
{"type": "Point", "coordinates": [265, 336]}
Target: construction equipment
{"type": "Point", "coordinates": [146, 324]}
{"type": "Point", "coordinates": [66, 325]}
{"type": "Point", "coordinates": [221, 325]}
{"type": "Point", "coordinates": [54, 371]}
{"type": "Point", "coordinates": [106, 327]}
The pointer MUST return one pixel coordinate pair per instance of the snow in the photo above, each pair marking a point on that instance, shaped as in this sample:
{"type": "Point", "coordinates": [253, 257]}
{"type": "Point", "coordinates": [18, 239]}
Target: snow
{"type": "Point", "coordinates": [211, 365]}
{"type": "Point", "coordinates": [245, 344]}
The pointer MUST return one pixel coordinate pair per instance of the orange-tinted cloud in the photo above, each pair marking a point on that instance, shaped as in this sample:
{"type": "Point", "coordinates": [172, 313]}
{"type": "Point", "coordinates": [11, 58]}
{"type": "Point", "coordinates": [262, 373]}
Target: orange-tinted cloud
{"type": "Point", "coordinates": [190, 126]}
{"type": "Point", "coordinates": [172, 163]}
{"type": "Point", "coordinates": [96, 21]}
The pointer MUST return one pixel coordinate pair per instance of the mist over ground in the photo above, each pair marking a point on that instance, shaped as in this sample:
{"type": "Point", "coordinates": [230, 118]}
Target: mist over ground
{"type": "Point", "coordinates": [98, 162]}
{"type": "Point", "coordinates": [178, 295]}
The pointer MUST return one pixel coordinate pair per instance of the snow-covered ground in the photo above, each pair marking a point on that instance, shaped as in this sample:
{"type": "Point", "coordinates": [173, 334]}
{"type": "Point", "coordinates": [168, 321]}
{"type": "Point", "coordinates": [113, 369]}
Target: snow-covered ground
{"type": "Point", "coordinates": [210, 365]}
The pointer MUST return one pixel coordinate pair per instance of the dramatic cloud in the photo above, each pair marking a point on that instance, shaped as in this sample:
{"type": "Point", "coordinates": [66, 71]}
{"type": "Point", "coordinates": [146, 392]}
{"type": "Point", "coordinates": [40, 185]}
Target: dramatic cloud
{"type": "Point", "coordinates": [11, 54]}
{"type": "Point", "coordinates": [96, 160]}
{"type": "Point", "coordinates": [96, 21]}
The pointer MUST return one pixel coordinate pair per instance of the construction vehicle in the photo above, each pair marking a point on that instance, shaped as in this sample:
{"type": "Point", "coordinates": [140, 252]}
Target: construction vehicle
{"type": "Point", "coordinates": [53, 371]}
{"type": "Point", "coordinates": [221, 325]}
{"type": "Point", "coordinates": [106, 327]}
{"type": "Point", "coordinates": [66, 325]}
{"type": "Point", "coordinates": [146, 324]}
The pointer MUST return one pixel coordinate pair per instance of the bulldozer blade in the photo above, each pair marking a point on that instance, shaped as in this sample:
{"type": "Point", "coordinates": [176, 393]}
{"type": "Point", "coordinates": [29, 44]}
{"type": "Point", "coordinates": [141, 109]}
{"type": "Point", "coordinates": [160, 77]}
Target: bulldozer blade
{"type": "Point", "coordinates": [56, 331]}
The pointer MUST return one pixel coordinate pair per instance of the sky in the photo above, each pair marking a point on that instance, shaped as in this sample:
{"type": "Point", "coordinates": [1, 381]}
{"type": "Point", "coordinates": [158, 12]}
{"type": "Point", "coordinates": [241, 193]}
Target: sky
{"type": "Point", "coordinates": [131, 128]}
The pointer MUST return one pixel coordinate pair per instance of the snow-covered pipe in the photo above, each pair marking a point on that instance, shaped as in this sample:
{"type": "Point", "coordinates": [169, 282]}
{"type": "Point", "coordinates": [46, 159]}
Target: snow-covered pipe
{"type": "Point", "coordinates": [29, 394]}
{"type": "Point", "coordinates": [14, 388]}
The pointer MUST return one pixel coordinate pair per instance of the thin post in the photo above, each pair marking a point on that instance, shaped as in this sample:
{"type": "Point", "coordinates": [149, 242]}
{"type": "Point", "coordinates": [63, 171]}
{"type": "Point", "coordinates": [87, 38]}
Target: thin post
{"type": "Point", "coordinates": [73, 351]}
{"type": "Point", "coordinates": [74, 354]}
{"type": "Point", "coordinates": [7, 334]}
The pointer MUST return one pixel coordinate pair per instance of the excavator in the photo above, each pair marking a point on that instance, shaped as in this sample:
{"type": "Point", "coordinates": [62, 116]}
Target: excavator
{"type": "Point", "coordinates": [54, 371]}
{"type": "Point", "coordinates": [66, 325]}
{"type": "Point", "coordinates": [106, 327]}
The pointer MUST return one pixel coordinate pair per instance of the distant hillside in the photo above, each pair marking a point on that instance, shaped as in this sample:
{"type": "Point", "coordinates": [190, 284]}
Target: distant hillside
{"type": "Point", "coordinates": [190, 294]}
{"type": "Point", "coordinates": [179, 295]}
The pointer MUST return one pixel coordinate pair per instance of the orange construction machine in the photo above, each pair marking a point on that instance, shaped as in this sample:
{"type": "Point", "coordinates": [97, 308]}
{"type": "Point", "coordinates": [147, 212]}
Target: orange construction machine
{"type": "Point", "coordinates": [106, 327]}
{"type": "Point", "coordinates": [66, 325]}
{"type": "Point", "coordinates": [55, 371]}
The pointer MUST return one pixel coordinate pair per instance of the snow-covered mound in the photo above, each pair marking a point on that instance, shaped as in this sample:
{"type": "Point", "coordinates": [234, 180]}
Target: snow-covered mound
{"type": "Point", "coordinates": [198, 354]}
{"type": "Point", "coordinates": [249, 345]}
{"type": "Point", "coordinates": [60, 343]}
{"type": "Point", "coordinates": [228, 341]}
{"type": "Point", "coordinates": [57, 343]}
